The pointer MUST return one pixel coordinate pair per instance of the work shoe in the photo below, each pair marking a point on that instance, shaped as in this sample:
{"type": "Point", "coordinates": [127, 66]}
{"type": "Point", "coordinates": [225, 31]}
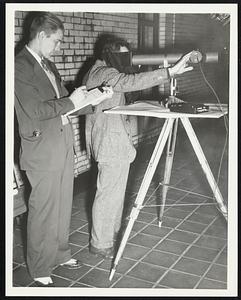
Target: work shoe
{"type": "Point", "coordinates": [106, 253]}
{"type": "Point", "coordinates": [72, 264]}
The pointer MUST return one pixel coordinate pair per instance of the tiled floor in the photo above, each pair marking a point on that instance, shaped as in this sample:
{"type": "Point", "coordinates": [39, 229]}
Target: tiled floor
{"type": "Point", "coordinates": [189, 251]}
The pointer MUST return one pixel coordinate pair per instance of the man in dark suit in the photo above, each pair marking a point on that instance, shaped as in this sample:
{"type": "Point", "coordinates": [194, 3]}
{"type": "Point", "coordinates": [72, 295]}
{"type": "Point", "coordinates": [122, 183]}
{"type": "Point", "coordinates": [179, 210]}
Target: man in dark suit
{"type": "Point", "coordinates": [46, 153]}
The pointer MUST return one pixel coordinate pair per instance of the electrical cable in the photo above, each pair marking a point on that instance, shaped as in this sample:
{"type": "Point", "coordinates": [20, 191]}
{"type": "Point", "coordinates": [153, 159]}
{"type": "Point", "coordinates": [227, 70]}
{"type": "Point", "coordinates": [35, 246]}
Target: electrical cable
{"type": "Point", "coordinates": [225, 124]}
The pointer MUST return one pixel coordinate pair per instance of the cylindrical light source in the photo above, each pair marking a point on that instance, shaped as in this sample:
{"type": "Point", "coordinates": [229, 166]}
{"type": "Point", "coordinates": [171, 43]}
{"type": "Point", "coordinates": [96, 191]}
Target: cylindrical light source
{"type": "Point", "coordinates": [158, 59]}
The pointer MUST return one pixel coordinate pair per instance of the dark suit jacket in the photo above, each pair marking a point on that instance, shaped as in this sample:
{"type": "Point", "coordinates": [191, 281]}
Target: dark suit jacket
{"type": "Point", "coordinates": [39, 111]}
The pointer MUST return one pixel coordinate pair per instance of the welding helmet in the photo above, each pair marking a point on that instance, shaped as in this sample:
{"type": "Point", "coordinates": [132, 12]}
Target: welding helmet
{"type": "Point", "coordinates": [117, 54]}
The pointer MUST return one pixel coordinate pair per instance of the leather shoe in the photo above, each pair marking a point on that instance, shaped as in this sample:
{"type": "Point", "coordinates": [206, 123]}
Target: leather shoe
{"type": "Point", "coordinates": [74, 264]}
{"type": "Point", "coordinates": [40, 284]}
{"type": "Point", "coordinates": [103, 253]}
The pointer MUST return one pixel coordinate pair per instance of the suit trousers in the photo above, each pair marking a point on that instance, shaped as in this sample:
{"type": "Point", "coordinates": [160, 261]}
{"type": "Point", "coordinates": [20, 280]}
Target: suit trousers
{"type": "Point", "coordinates": [108, 203]}
{"type": "Point", "coordinates": [49, 215]}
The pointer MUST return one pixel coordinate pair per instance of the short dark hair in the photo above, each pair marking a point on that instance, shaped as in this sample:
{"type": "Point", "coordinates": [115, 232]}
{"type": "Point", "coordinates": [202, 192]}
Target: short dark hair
{"type": "Point", "coordinates": [45, 21]}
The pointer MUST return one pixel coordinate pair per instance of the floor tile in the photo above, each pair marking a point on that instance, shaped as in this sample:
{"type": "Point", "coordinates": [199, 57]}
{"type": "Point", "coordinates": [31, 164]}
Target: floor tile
{"type": "Point", "coordinates": [17, 238]}
{"type": "Point", "coordinates": [178, 280]}
{"type": "Point", "coordinates": [210, 242]}
{"type": "Point", "coordinates": [156, 231]}
{"type": "Point", "coordinates": [134, 251]}
{"type": "Point", "coordinates": [208, 210]}
{"type": "Point", "coordinates": [129, 282]}
{"type": "Point", "coordinates": [71, 274]}
{"type": "Point", "coordinates": [159, 258]}
{"type": "Point", "coordinates": [79, 238]}
{"type": "Point", "coordinates": [61, 282]}
{"type": "Point", "coordinates": [81, 215]}
{"type": "Point", "coordinates": [200, 218]}
{"type": "Point", "coordinates": [146, 217]}
{"type": "Point", "coordinates": [84, 229]}
{"type": "Point", "coordinates": [211, 284]}
{"type": "Point", "coordinates": [202, 253]}
{"type": "Point", "coordinates": [175, 194]}
{"type": "Point", "coordinates": [76, 223]}
{"type": "Point", "coordinates": [80, 285]}
{"type": "Point", "coordinates": [222, 258]}
{"type": "Point", "coordinates": [21, 277]}
{"type": "Point", "coordinates": [182, 236]}
{"type": "Point", "coordinates": [191, 266]}
{"type": "Point", "coordinates": [15, 266]}
{"type": "Point", "coordinates": [217, 272]}
{"type": "Point", "coordinates": [123, 266]}
{"type": "Point", "coordinates": [74, 248]}
{"type": "Point", "coordinates": [191, 227]}
{"type": "Point", "coordinates": [220, 222]}
{"type": "Point", "coordinates": [217, 231]}
{"type": "Point", "coordinates": [170, 222]}
{"type": "Point", "coordinates": [187, 208]}
{"type": "Point", "coordinates": [176, 213]}
{"type": "Point", "coordinates": [138, 226]}
{"type": "Point", "coordinates": [146, 272]}
{"type": "Point", "coordinates": [151, 210]}
{"type": "Point", "coordinates": [145, 240]}
{"type": "Point", "coordinates": [172, 246]}
{"type": "Point", "coordinates": [18, 254]}
{"type": "Point", "coordinates": [98, 278]}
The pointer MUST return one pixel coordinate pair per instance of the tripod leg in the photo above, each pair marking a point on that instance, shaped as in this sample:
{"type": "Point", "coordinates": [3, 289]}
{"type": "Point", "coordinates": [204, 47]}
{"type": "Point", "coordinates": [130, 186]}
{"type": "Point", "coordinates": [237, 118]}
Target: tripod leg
{"type": "Point", "coordinates": [168, 168]}
{"type": "Point", "coordinates": [205, 166]}
{"type": "Point", "coordinates": [143, 189]}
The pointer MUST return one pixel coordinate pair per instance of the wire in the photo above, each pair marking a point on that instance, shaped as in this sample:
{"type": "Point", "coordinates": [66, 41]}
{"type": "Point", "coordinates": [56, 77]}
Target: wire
{"type": "Point", "coordinates": [225, 124]}
{"type": "Point", "coordinates": [215, 94]}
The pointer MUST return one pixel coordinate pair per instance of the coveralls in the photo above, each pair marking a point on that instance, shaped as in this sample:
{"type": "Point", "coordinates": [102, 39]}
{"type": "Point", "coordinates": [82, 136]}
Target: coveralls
{"type": "Point", "coordinates": [109, 140]}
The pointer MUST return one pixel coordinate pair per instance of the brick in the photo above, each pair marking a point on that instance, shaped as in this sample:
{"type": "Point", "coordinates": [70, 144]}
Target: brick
{"type": "Point", "coordinates": [68, 52]}
{"type": "Point", "coordinates": [18, 14]}
{"type": "Point", "coordinates": [79, 14]}
{"type": "Point", "coordinates": [58, 59]}
{"type": "Point", "coordinates": [79, 39]}
{"type": "Point", "coordinates": [88, 15]}
{"type": "Point", "coordinates": [64, 73]}
{"type": "Point", "coordinates": [18, 30]}
{"type": "Point", "coordinates": [74, 46]}
{"type": "Point", "coordinates": [65, 46]}
{"type": "Point", "coordinates": [87, 27]}
{"type": "Point", "coordinates": [68, 39]}
{"type": "Point", "coordinates": [78, 27]}
{"type": "Point", "coordinates": [59, 66]}
{"type": "Point", "coordinates": [76, 20]}
{"type": "Point", "coordinates": [69, 59]}
{"type": "Point", "coordinates": [74, 71]}
{"type": "Point", "coordinates": [69, 65]}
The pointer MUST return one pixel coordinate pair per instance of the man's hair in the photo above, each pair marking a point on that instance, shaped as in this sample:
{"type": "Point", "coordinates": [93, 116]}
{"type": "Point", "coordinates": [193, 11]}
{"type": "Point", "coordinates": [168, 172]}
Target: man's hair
{"type": "Point", "coordinates": [45, 21]}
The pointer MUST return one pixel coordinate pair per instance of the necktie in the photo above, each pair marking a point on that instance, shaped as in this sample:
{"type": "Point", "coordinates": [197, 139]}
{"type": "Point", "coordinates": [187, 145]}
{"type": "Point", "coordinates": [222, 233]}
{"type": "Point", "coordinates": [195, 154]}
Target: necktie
{"type": "Point", "coordinates": [45, 65]}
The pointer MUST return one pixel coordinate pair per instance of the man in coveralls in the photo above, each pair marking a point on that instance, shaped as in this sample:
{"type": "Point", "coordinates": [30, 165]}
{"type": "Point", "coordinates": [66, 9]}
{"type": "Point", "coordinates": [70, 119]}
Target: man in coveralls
{"type": "Point", "coordinates": [108, 137]}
